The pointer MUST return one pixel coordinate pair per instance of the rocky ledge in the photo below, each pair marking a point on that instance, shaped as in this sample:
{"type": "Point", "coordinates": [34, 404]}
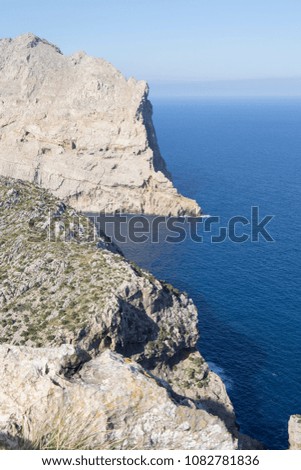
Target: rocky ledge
{"type": "Point", "coordinates": [83, 329]}
{"type": "Point", "coordinates": [76, 126]}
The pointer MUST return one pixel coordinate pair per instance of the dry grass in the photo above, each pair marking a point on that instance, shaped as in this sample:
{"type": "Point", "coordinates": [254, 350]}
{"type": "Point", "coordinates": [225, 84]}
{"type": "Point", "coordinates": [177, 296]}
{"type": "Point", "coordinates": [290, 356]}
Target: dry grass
{"type": "Point", "coordinates": [68, 429]}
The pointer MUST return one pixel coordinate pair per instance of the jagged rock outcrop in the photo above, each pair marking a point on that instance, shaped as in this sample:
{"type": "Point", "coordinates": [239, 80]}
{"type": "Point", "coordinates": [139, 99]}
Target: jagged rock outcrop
{"type": "Point", "coordinates": [61, 284]}
{"type": "Point", "coordinates": [76, 126]}
{"type": "Point", "coordinates": [110, 402]}
{"type": "Point", "coordinates": [294, 432]}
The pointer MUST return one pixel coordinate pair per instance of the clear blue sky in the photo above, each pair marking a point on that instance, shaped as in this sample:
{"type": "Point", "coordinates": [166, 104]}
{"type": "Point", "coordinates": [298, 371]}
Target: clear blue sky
{"type": "Point", "coordinates": [178, 40]}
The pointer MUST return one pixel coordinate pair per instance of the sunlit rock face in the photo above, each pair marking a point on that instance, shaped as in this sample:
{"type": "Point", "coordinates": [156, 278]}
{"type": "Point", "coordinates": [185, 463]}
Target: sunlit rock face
{"type": "Point", "coordinates": [76, 126]}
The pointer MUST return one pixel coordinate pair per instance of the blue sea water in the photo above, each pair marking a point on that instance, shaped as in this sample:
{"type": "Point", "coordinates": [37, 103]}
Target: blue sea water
{"type": "Point", "coordinates": [229, 155]}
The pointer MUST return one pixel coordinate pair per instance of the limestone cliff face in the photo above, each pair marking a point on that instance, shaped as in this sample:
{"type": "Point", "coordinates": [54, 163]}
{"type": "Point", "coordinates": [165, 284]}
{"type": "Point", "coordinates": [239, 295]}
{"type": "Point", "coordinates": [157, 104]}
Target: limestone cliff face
{"type": "Point", "coordinates": [76, 126]}
{"type": "Point", "coordinates": [132, 338]}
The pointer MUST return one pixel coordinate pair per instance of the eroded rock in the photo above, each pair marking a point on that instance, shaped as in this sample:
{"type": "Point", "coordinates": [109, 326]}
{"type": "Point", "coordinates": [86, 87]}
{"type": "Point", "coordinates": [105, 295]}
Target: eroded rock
{"type": "Point", "coordinates": [110, 403]}
{"type": "Point", "coordinates": [76, 126]}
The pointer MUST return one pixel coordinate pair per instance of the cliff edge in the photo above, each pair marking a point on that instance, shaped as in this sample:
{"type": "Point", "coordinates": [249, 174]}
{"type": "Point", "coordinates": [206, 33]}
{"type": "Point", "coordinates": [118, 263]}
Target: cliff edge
{"type": "Point", "coordinates": [86, 333]}
{"type": "Point", "coordinates": [76, 126]}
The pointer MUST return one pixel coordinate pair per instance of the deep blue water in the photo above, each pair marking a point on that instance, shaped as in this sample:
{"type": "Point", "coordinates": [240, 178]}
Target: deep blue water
{"type": "Point", "coordinates": [230, 155]}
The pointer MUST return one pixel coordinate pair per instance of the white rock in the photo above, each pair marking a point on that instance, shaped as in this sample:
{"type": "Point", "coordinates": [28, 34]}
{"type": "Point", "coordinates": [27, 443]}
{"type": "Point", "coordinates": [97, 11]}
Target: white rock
{"type": "Point", "coordinates": [294, 432]}
{"type": "Point", "coordinates": [76, 126]}
{"type": "Point", "coordinates": [123, 404]}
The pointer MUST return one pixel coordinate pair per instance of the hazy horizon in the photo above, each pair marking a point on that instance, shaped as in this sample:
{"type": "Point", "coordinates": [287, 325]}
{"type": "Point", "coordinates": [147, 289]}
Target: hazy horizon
{"type": "Point", "coordinates": [270, 87]}
{"type": "Point", "coordinates": [207, 45]}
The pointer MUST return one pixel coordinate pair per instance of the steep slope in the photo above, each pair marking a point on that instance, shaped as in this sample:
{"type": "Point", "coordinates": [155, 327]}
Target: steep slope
{"type": "Point", "coordinates": [109, 403]}
{"type": "Point", "coordinates": [76, 126]}
{"type": "Point", "coordinates": [61, 284]}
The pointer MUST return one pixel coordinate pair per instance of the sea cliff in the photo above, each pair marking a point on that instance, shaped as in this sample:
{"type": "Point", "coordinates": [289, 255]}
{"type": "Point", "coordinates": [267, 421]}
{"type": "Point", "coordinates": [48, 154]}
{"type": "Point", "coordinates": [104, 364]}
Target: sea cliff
{"type": "Point", "coordinates": [76, 126]}
{"type": "Point", "coordinates": [91, 344]}
{"type": "Point", "coordinates": [84, 328]}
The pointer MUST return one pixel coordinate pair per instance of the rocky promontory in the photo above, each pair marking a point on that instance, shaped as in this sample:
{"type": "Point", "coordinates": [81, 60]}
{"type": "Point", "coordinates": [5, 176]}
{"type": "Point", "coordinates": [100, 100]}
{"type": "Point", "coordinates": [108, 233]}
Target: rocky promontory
{"type": "Point", "coordinates": [76, 126]}
{"type": "Point", "coordinates": [85, 330]}
{"type": "Point", "coordinates": [95, 352]}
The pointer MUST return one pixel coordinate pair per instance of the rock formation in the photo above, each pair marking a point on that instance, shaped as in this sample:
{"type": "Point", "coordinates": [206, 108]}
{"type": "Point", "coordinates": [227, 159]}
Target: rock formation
{"type": "Point", "coordinates": [129, 336]}
{"type": "Point", "coordinates": [294, 432]}
{"type": "Point", "coordinates": [110, 402]}
{"type": "Point", "coordinates": [76, 126]}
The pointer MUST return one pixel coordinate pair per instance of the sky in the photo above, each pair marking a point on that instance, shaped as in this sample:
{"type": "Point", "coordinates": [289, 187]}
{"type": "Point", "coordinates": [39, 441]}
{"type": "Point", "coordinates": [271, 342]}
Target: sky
{"type": "Point", "coordinates": [244, 43]}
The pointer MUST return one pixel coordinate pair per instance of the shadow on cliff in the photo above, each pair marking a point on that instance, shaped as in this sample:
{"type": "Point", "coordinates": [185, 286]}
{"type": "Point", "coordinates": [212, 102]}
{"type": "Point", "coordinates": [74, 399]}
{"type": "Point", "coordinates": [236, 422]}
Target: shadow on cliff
{"type": "Point", "coordinates": [136, 328]}
{"type": "Point", "coordinates": [9, 442]}
{"type": "Point", "coordinates": [218, 409]}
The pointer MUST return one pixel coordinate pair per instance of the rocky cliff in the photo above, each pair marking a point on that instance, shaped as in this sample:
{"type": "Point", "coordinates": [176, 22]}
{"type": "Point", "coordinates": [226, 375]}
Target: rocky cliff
{"type": "Point", "coordinates": [83, 326]}
{"type": "Point", "coordinates": [110, 402]}
{"type": "Point", "coordinates": [294, 432]}
{"type": "Point", "coordinates": [76, 126]}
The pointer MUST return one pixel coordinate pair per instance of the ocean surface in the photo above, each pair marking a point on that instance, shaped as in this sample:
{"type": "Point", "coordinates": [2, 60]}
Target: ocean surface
{"type": "Point", "coordinates": [230, 155]}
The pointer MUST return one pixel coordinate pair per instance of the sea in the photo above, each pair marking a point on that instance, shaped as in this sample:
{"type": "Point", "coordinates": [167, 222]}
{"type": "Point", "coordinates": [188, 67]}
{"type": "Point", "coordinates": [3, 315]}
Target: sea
{"type": "Point", "coordinates": [232, 154]}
